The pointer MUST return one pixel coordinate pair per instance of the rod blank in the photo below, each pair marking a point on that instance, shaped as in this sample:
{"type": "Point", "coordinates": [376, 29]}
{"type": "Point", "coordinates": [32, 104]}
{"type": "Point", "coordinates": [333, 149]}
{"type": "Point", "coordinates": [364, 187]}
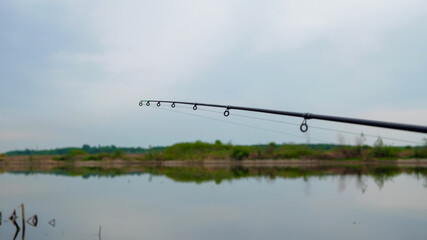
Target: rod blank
{"type": "Point", "coordinates": [305, 116]}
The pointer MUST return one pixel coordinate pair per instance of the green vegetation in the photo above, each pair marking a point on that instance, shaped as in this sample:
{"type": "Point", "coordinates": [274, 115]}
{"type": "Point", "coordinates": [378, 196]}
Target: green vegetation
{"type": "Point", "coordinates": [421, 152]}
{"type": "Point", "coordinates": [218, 151]}
{"type": "Point", "coordinates": [207, 151]}
{"type": "Point", "coordinates": [86, 148]}
{"type": "Point", "coordinates": [79, 154]}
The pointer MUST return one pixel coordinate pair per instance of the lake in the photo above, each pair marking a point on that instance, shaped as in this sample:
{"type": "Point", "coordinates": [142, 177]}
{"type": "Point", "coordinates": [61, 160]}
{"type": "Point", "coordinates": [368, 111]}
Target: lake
{"type": "Point", "coordinates": [216, 202]}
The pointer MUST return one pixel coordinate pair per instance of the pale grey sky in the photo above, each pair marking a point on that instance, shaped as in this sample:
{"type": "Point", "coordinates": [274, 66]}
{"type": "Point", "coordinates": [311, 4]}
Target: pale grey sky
{"type": "Point", "coordinates": [72, 72]}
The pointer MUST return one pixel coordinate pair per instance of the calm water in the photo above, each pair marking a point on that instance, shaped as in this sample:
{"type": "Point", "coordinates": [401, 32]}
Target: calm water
{"type": "Point", "coordinates": [148, 206]}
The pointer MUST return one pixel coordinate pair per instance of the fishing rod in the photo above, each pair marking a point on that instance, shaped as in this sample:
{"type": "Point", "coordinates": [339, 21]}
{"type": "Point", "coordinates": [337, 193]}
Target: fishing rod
{"type": "Point", "coordinates": [305, 116]}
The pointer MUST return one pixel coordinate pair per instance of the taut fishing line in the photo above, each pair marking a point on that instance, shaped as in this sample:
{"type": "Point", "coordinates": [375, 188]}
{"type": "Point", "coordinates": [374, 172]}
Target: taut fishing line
{"type": "Point", "coordinates": [240, 124]}
{"type": "Point", "coordinates": [311, 126]}
{"type": "Point", "coordinates": [303, 126]}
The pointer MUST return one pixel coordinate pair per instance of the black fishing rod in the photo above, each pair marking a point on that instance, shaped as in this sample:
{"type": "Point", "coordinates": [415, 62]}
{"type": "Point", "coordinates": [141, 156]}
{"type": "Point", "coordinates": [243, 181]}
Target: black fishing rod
{"type": "Point", "coordinates": [305, 116]}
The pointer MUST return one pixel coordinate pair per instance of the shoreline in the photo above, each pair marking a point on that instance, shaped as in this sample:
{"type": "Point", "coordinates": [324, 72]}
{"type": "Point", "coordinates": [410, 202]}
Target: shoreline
{"type": "Point", "coordinates": [42, 162]}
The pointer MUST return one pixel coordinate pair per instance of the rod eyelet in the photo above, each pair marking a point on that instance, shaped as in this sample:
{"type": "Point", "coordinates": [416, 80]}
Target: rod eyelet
{"type": "Point", "coordinates": [195, 107]}
{"type": "Point", "coordinates": [158, 104]}
{"type": "Point", "coordinates": [148, 103]}
{"type": "Point", "coordinates": [227, 112]}
{"type": "Point", "coordinates": [140, 103]}
{"type": "Point", "coordinates": [304, 126]}
{"type": "Point", "coordinates": [173, 105]}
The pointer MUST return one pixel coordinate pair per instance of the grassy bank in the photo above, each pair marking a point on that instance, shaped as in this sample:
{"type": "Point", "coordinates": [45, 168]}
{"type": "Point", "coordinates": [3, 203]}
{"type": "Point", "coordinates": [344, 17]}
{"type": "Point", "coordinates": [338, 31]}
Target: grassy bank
{"type": "Point", "coordinates": [219, 151]}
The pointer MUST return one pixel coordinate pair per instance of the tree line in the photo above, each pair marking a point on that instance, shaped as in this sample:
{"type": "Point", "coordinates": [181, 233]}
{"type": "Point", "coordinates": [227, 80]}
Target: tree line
{"type": "Point", "coordinates": [222, 151]}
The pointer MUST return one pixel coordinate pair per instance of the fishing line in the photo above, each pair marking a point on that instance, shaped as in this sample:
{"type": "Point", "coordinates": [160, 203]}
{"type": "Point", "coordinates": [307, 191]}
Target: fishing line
{"type": "Point", "coordinates": [305, 116]}
{"type": "Point", "coordinates": [329, 129]}
{"type": "Point", "coordinates": [240, 124]}
{"type": "Point", "coordinates": [311, 126]}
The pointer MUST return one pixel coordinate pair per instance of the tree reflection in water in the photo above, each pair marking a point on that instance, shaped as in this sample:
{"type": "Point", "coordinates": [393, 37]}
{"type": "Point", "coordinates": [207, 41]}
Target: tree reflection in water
{"type": "Point", "coordinates": [200, 172]}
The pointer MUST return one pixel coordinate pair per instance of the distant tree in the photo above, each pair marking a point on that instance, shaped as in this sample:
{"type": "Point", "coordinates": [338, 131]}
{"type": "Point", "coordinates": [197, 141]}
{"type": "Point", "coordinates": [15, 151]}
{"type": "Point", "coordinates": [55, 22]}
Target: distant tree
{"type": "Point", "coordinates": [380, 150]}
{"type": "Point", "coordinates": [379, 143]}
{"type": "Point", "coordinates": [86, 148]}
{"type": "Point", "coordinates": [271, 147]}
{"type": "Point", "coordinates": [360, 141]}
{"type": "Point", "coordinates": [341, 140]}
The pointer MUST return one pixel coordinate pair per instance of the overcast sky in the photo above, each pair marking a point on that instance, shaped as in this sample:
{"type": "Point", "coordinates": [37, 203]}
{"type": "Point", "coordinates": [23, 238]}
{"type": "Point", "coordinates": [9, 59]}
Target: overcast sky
{"type": "Point", "coordinates": [73, 72]}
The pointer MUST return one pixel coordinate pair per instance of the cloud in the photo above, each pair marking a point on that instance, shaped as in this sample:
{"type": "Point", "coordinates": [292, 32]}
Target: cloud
{"type": "Point", "coordinates": [81, 67]}
{"type": "Point", "coordinates": [19, 135]}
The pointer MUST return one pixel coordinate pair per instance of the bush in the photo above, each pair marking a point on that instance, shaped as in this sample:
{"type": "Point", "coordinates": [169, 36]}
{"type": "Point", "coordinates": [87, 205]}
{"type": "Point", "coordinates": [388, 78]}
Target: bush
{"type": "Point", "coordinates": [239, 153]}
{"type": "Point", "coordinates": [118, 154]}
{"type": "Point", "coordinates": [94, 157]}
{"type": "Point", "coordinates": [381, 151]}
{"type": "Point", "coordinates": [293, 151]}
{"type": "Point", "coordinates": [73, 154]}
{"type": "Point", "coordinates": [77, 152]}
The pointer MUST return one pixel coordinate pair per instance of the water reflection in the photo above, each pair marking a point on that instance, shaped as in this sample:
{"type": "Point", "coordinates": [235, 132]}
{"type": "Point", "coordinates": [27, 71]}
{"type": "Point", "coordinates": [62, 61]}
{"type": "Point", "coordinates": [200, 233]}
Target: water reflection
{"type": "Point", "coordinates": [214, 202]}
{"type": "Point", "coordinates": [31, 221]}
{"type": "Point", "coordinates": [200, 173]}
